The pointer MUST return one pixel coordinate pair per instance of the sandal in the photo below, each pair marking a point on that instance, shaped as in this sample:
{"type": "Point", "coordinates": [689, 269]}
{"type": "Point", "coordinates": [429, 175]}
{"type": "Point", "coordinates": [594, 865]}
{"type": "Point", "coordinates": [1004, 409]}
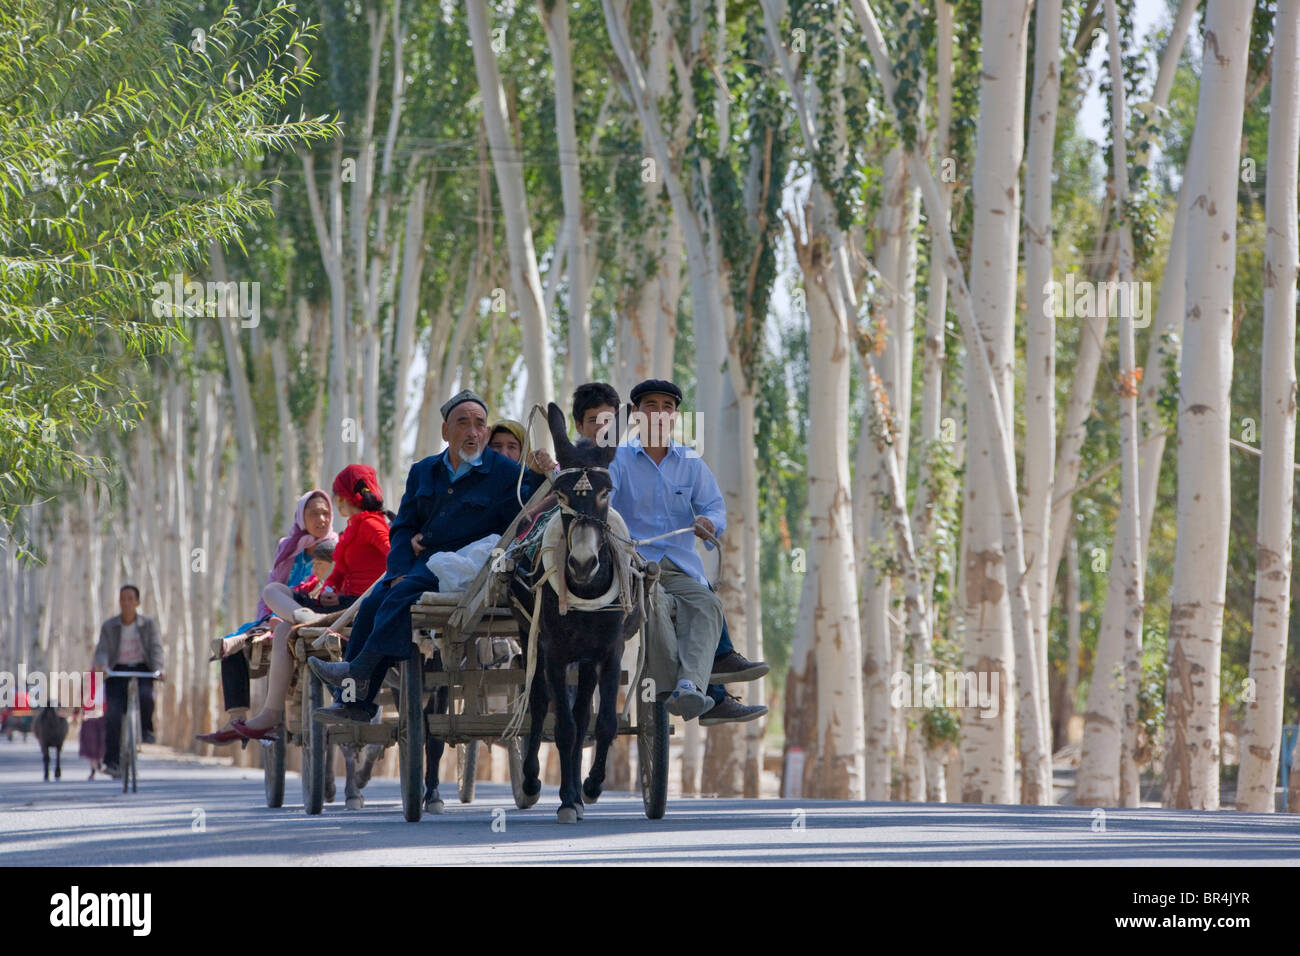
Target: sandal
{"type": "Point", "coordinates": [227, 736]}
{"type": "Point", "coordinates": [242, 729]}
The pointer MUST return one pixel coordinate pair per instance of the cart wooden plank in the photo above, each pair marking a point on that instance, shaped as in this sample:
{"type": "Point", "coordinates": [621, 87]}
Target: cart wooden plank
{"type": "Point", "coordinates": [458, 728]}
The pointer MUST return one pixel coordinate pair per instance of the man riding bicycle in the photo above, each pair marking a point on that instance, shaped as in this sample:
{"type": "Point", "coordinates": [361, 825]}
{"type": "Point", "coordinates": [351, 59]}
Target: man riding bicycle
{"type": "Point", "coordinates": [128, 641]}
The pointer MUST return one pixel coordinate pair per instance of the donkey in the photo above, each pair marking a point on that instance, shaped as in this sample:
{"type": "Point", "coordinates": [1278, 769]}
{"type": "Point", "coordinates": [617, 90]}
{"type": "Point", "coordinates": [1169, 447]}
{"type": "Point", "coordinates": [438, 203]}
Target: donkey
{"type": "Point", "coordinates": [51, 730]}
{"type": "Point", "coordinates": [585, 555]}
{"type": "Point", "coordinates": [358, 765]}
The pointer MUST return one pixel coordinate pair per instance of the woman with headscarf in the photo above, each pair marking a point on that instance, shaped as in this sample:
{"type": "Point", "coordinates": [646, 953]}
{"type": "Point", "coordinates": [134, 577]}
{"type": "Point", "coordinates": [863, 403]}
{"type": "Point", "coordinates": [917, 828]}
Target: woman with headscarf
{"type": "Point", "coordinates": [360, 558]}
{"type": "Point", "coordinates": [507, 438]}
{"type": "Point", "coordinates": [312, 525]}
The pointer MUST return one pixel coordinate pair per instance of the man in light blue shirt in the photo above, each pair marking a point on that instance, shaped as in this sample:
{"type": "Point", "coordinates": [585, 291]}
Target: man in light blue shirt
{"type": "Point", "coordinates": [660, 486]}
{"type": "Point", "coordinates": [595, 413]}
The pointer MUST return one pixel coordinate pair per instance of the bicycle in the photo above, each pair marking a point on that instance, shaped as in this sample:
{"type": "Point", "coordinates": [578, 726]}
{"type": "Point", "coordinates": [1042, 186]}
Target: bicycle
{"type": "Point", "coordinates": [131, 726]}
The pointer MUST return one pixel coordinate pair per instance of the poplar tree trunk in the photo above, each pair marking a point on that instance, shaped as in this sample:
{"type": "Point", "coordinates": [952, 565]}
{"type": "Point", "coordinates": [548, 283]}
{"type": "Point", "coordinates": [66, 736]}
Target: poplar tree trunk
{"type": "Point", "coordinates": [1204, 497]}
{"type": "Point", "coordinates": [245, 425]}
{"type": "Point", "coordinates": [881, 644]}
{"type": "Point", "coordinates": [1072, 638]}
{"type": "Point", "coordinates": [935, 346]}
{"type": "Point", "coordinates": [827, 625]}
{"type": "Point", "coordinates": [988, 743]}
{"type": "Point", "coordinates": [1261, 736]}
{"type": "Point", "coordinates": [408, 305]}
{"type": "Point", "coordinates": [1040, 336]}
{"type": "Point", "coordinates": [1169, 315]}
{"type": "Point", "coordinates": [985, 395]}
{"type": "Point", "coordinates": [712, 305]}
{"type": "Point", "coordinates": [1108, 773]}
{"type": "Point", "coordinates": [525, 280]}
{"type": "Point", "coordinates": [556, 23]}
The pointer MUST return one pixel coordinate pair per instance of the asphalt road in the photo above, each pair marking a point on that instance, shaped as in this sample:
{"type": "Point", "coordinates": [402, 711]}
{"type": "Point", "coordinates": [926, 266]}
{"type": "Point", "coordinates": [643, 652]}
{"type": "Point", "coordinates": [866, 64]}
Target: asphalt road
{"type": "Point", "coordinates": [196, 812]}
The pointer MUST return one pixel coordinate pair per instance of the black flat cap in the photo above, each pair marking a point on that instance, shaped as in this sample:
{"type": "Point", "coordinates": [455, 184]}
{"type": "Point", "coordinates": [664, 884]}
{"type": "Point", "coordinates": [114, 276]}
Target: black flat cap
{"type": "Point", "coordinates": [655, 385]}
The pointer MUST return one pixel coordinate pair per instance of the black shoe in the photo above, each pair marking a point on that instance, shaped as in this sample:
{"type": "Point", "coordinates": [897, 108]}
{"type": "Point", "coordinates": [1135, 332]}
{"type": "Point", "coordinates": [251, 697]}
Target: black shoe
{"type": "Point", "coordinates": [344, 713]}
{"type": "Point", "coordinates": [148, 737]}
{"type": "Point", "coordinates": [734, 669]}
{"type": "Point", "coordinates": [334, 674]}
{"type": "Point", "coordinates": [730, 711]}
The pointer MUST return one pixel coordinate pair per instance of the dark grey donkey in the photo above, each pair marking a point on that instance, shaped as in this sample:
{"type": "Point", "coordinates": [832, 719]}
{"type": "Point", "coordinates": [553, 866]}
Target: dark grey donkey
{"type": "Point", "coordinates": [587, 556]}
{"type": "Point", "coordinates": [358, 765]}
{"type": "Point", "coordinates": [51, 730]}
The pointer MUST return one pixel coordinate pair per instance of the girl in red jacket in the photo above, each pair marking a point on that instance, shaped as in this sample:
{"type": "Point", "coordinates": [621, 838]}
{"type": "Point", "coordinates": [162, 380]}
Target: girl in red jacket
{"type": "Point", "coordinates": [361, 556]}
{"type": "Point", "coordinates": [360, 559]}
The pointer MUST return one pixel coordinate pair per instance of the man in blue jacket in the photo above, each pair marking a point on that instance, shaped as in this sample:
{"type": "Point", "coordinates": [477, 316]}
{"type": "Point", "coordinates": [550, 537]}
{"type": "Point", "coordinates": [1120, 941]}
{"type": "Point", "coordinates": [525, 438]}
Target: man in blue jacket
{"type": "Point", "coordinates": [452, 499]}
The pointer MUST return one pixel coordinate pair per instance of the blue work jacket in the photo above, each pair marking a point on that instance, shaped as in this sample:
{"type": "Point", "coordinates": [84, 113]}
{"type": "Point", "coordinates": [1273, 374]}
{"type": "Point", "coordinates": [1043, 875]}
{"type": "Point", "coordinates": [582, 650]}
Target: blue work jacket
{"type": "Point", "coordinates": [451, 514]}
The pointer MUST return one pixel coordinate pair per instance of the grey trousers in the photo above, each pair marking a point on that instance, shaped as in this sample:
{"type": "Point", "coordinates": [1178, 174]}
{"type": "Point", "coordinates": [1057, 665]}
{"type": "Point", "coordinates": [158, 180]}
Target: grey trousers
{"type": "Point", "coordinates": [684, 649]}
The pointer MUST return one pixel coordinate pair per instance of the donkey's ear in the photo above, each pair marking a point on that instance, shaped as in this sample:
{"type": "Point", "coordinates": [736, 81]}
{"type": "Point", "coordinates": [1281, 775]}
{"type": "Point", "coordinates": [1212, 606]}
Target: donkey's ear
{"type": "Point", "coordinates": [559, 433]}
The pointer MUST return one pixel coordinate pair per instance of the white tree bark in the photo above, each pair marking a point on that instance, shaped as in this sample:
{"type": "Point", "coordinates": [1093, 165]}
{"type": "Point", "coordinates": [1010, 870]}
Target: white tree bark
{"type": "Point", "coordinates": [288, 433]}
{"type": "Point", "coordinates": [828, 626]}
{"type": "Point", "coordinates": [873, 615]}
{"type": "Point", "coordinates": [895, 260]}
{"type": "Point", "coordinates": [1204, 498]}
{"type": "Point", "coordinates": [1169, 315]}
{"type": "Point", "coordinates": [987, 401]}
{"type": "Point", "coordinates": [556, 23]}
{"type": "Point", "coordinates": [712, 305]}
{"type": "Point", "coordinates": [1072, 637]}
{"type": "Point", "coordinates": [1261, 736]}
{"type": "Point", "coordinates": [329, 237]}
{"type": "Point", "coordinates": [988, 742]}
{"type": "Point", "coordinates": [935, 348]}
{"type": "Point", "coordinates": [1040, 335]}
{"type": "Point", "coordinates": [828, 635]}
{"type": "Point", "coordinates": [408, 305]}
{"type": "Point", "coordinates": [245, 427]}
{"type": "Point", "coordinates": [525, 281]}
{"type": "Point", "coordinates": [1108, 773]}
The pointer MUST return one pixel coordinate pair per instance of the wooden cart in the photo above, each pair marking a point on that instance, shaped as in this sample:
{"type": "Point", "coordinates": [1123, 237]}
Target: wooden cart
{"type": "Point", "coordinates": [445, 627]}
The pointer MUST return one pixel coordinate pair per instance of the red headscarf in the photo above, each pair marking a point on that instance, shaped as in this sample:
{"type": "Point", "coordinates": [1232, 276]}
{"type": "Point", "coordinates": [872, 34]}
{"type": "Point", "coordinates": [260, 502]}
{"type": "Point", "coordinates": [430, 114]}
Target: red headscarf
{"type": "Point", "coordinates": [345, 483]}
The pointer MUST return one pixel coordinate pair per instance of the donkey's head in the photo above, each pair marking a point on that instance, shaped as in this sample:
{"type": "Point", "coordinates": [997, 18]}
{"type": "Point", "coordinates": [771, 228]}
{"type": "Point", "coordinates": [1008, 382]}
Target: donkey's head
{"type": "Point", "coordinates": [583, 487]}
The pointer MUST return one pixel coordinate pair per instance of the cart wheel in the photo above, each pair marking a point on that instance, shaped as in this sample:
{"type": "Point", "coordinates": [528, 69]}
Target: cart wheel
{"type": "Point", "coordinates": [467, 769]}
{"type": "Point", "coordinates": [652, 756]}
{"type": "Point", "coordinates": [515, 748]}
{"type": "Point", "coordinates": [313, 747]}
{"type": "Point", "coordinates": [135, 746]}
{"type": "Point", "coordinates": [273, 771]}
{"type": "Point", "coordinates": [126, 749]}
{"type": "Point", "coordinates": [410, 737]}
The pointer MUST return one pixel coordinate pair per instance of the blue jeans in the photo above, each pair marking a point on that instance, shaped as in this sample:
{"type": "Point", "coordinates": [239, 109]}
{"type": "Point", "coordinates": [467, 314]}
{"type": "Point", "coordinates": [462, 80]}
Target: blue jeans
{"type": "Point", "coordinates": [115, 692]}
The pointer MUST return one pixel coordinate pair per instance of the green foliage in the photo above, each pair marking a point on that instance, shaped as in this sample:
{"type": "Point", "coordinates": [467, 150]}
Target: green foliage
{"type": "Point", "coordinates": [1151, 694]}
{"type": "Point", "coordinates": [121, 146]}
{"type": "Point", "coordinates": [915, 38]}
{"type": "Point", "coordinates": [1167, 401]}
